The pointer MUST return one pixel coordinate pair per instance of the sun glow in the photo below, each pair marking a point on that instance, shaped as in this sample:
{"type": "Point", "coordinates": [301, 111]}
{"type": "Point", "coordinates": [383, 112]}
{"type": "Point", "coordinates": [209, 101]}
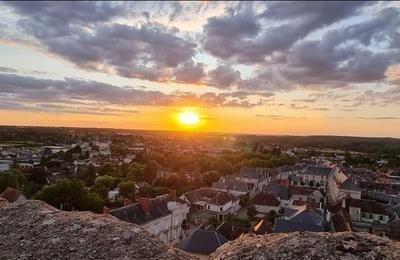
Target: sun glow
{"type": "Point", "coordinates": [189, 118]}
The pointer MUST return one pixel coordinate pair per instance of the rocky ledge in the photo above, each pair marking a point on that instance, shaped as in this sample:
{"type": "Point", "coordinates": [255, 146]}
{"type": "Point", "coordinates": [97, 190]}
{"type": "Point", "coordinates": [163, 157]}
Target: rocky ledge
{"type": "Point", "coordinates": [35, 230]}
{"type": "Point", "coordinates": [309, 245]}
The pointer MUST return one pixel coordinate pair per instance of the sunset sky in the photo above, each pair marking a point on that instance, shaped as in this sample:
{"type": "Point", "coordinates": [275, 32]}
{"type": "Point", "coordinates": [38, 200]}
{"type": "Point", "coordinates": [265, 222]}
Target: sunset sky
{"type": "Point", "coordinates": [264, 68]}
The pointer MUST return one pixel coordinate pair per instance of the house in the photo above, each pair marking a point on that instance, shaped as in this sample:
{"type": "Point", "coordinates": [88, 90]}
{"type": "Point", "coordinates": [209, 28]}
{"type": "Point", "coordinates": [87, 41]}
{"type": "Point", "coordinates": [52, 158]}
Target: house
{"type": "Point", "coordinates": [202, 243]}
{"type": "Point", "coordinates": [216, 202]}
{"type": "Point", "coordinates": [280, 191]}
{"type": "Point", "coordinates": [230, 184]}
{"type": "Point", "coordinates": [350, 188]}
{"type": "Point", "coordinates": [305, 194]}
{"type": "Point", "coordinates": [307, 219]}
{"type": "Point", "coordinates": [255, 178]}
{"type": "Point", "coordinates": [265, 203]}
{"type": "Point", "coordinates": [13, 195]}
{"type": "Point", "coordinates": [162, 216]}
{"type": "Point", "coordinates": [367, 211]}
{"type": "Point", "coordinates": [317, 175]}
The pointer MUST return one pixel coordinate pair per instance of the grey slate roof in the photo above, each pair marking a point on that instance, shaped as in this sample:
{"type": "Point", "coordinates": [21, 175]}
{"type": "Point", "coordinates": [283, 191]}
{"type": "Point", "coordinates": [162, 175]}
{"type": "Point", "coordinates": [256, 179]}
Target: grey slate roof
{"type": "Point", "coordinates": [285, 226]}
{"type": "Point", "coordinates": [135, 214]}
{"type": "Point", "coordinates": [209, 195]}
{"type": "Point", "coordinates": [348, 184]}
{"type": "Point", "coordinates": [203, 242]}
{"type": "Point", "coordinates": [305, 220]}
{"type": "Point", "coordinates": [318, 170]}
{"type": "Point", "coordinates": [307, 216]}
{"type": "Point", "coordinates": [252, 173]}
{"type": "Point", "coordinates": [230, 183]}
{"type": "Point", "coordinates": [278, 190]}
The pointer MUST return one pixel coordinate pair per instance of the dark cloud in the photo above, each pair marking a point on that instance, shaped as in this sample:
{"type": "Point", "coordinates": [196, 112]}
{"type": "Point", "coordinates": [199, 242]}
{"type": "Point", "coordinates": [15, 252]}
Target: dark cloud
{"type": "Point", "coordinates": [339, 58]}
{"type": "Point", "coordinates": [32, 90]}
{"type": "Point", "coordinates": [190, 72]}
{"type": "Point", "coordinates": [77, 32]}
{"type": "Point", "coordinates": [238, 35]}
{"type": "Point", "coordinates": [225, 36]}
{"type": "Point", "coordinates": [224, 76]}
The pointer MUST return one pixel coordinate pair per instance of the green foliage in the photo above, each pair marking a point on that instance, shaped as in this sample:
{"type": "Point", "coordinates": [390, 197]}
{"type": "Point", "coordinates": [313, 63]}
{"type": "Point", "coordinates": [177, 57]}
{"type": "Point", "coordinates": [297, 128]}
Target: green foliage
{"type": "Point", "coordinates": [150, 171]}
{"type": "Point", "coordinates": [106, 181]}
{"type": "Point", "coordinates": [70, 194]}
{"type": "Point", "coordinates": [31, 188]}
{"type": "Point", "coordinates": [108, 169]}
{"type": "Point", "coordinates": [271, 217]}
{"type": "Point", "coordinates": [38, 175]}
{"type": "Point", "coordinates": [251, 212]}
{"type": "Point", "coordinates": [89, 175]}
{"type": "Point", "coordinates": [244, 200]}
{"type": "Point", "coordinates": [12, 178]}
{"type": "Point", "coordinates": [210, 177]}
{"type": "Point", "coordinates": [152, 192]}
{"type": "Point", "coordinates": [222, 166]}
{"type": "Point", "coordinates": [266, 160]}
{"type": "Point", "coordinates": [159, 158]}
{"type": "Point", "coordinates": [127, 189]}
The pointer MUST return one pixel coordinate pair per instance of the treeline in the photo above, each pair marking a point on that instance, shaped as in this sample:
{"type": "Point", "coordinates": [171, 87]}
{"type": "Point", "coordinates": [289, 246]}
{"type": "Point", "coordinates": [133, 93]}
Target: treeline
{"type": "Point", "coordinates": [345, 143]}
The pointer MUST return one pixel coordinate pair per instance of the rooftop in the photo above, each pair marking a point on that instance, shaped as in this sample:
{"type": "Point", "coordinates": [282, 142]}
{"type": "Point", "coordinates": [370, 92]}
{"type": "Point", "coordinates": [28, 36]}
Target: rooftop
{"type": "Point", "coordinates": [318, 170]}
{"type": "Point", "coordinates": [368, 206]}
{"type": "Point", "coordinates": [203, 242]}
{"type": "Point", "coordinates": [135, 213]}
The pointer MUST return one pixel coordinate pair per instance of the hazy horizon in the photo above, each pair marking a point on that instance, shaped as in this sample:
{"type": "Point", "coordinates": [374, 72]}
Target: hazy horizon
{"type": "Point", "coordinates": [265, 68]}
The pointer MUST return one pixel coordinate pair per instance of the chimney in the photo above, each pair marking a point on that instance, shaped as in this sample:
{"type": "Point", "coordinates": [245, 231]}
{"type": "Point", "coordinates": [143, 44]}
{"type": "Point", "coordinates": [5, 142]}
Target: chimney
{"type": "Point", "coordinates": [106, 210]}
{"type": "Point", "coordinates": [145, 203]}
{"type": "Point", "coordinates": [127, 202]}
{"type": "Point", "coordinates": [172, 195]}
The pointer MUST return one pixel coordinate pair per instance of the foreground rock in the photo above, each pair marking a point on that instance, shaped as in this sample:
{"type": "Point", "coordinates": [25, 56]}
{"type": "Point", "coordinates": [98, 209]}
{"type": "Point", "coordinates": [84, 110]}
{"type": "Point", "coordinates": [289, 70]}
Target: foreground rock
{"type": "Point", "coordinates": [35, 230]}
{"type": "Point", "coordinates": [308, 245]}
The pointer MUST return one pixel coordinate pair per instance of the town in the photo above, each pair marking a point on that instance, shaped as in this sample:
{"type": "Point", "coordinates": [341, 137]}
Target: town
{"type": "Point", "coordinates": [198, 191]}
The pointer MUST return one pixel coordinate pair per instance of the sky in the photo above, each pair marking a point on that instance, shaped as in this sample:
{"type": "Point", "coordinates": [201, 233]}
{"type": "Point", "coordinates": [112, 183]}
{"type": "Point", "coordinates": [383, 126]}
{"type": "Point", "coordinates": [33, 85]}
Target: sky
{"type": "Point", "coordinates": [298, 68]}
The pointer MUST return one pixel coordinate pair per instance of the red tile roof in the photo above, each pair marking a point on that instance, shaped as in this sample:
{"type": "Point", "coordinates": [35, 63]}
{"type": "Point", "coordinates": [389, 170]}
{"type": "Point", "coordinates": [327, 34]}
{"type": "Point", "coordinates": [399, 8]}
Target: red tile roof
{"type": "Point", "coordinates": [11, 194]}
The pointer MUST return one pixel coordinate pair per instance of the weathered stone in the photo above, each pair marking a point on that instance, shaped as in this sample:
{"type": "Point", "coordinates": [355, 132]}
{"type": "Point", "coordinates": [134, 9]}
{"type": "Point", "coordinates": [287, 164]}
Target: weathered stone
{"type": "Point", "coordinates": [309, 245]}
{"type": "Point", "coordinates": [35, 230]}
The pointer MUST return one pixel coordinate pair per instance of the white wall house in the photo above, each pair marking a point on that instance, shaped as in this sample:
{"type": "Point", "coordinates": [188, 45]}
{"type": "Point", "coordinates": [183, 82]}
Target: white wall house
{"type": "Point", "coordinates": [162, 216]}
{"type": "Point", "coordinates": [368, 211]}
{"type": "Point", "coordinates": [265, 203]}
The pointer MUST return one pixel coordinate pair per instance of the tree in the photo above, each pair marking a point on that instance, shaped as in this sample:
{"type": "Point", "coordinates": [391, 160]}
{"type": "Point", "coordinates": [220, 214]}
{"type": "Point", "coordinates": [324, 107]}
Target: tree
{"type": "Point", "coordinates": [244, 200]}
{"type": "Point", "coordinates": [210, 177]}
{"type": "Point", "coordinates": [251, 212]}
{"type": "Point", "coordinates": [106, 181]}
{"type": "Point", "coordinates": [150, 171]}
{"type": "Point", "coordinates": [89, 175]}
{"type": "Point", "coordinates": [38, 175]}
{"type": "Point", "coordinates": [135, 170]}
{"type": "Point", "coordinates": [158, 158]}
{"type": "Point", "coordinates": [271, 217]}
{"type": "Point", "coordinates": [223, 166]}
{"type": "Point", "coordinates": [69, 194]}
{"type": "Point", "coordinates": [12, 178]}
{"type": "Point", "coordinates": [127, 189]}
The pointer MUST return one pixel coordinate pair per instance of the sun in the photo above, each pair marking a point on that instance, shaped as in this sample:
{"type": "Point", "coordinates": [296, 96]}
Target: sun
{"type": "Point", "coordinates": [189, 118]}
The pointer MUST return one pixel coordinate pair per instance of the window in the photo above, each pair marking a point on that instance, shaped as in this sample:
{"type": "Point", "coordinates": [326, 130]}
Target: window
{"type": "Point", "coordinates": [362, 214]}
{"type": "Point", "coordinates": [220, 209]}
{"type": "Point", "coordinates": [381, 218]}
{"type": "Point", "coordinates": [208, 206]}
{"type": "Point", "coordinates": [370, 216]}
